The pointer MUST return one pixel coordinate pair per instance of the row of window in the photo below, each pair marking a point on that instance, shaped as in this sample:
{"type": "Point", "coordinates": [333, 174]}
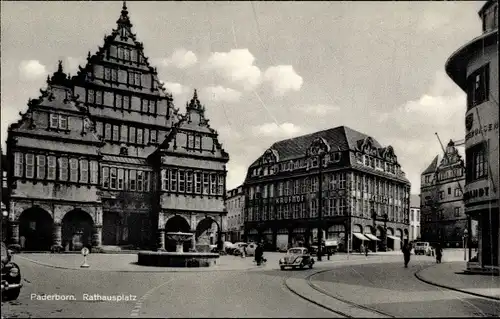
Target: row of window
{"type": "Point", "coordinates": [122, 76]}
{"type": "Point", "coordinates": [457, 212]}
{"type": "Point", "coordinates": [331, 181]}
{"type": "Point", "coordinates": [126, 54]}
{"type": "Point", "coordinates": [59, 121]}
{"type": "Point", "coordinates": [51, 167]}
{"type": "Point", "coordinates": [126, 134]}
{"type": "Point", "coordinates": [331, 207]}
{"type": "Point", "coordinates": [307, 163]}
{"type": "Point", "coordinates": [120, 101]}
{"type": "Point", "coordinates": [378, 163]}
{"type": "Point", "coordinates": [126, 179]}
{"type": "Point", "coordinates": [192, 182]}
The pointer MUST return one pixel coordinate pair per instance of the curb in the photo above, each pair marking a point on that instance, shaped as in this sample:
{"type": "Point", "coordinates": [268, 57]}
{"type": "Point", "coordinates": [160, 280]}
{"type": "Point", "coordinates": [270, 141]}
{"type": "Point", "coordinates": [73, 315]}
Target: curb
{"type": "Point", "coordinates": [200, 269]}
{"type": "Point", "coordinates": [419, 277]}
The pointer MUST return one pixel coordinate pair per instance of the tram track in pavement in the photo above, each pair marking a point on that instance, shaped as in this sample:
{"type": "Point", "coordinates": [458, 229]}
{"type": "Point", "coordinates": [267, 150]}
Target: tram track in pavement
{"type": "Point", "coordinates": [348, 303]}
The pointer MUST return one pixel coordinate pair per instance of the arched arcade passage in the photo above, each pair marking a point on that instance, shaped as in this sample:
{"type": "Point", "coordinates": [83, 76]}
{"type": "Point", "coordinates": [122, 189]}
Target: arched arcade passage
{"type": "Point", "coordinates": [35, 229]}
{"type": "Point", "coordinates": [77, 230]}
{"type": "Point", "coordinates": [207, 233]}
{"type": "Point", "coordinates": [173, 225]}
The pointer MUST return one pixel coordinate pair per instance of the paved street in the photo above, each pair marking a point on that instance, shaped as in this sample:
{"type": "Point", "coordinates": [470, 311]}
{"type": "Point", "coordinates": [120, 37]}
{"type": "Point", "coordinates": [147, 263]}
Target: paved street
{"type": "Point", "coordinates": [240, 290]}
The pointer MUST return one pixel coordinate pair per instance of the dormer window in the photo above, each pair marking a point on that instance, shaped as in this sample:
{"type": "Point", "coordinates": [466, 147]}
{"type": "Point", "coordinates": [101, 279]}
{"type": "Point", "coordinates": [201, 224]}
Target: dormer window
{"type": "Point", "coordinates": [58, 121]}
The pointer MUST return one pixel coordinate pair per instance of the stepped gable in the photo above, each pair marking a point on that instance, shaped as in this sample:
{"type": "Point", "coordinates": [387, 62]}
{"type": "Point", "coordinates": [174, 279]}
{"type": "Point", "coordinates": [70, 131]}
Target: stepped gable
{"type": "Point", "coordinates": [58, 98]}
{"type": "Point", "coordinates": [122, 35]}
{"type": "Point", "coordinates": [432, 167]}
{"type": "Point", "coordinates": [193, 122]}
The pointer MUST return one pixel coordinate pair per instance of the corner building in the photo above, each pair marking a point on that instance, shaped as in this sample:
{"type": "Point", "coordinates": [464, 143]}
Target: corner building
{"type": "Point", "coordinates": [474, 68]}
{"type": "Point", "coordinates": [104, 158]}
{"type": "Point", "coordinates": [283, 195]}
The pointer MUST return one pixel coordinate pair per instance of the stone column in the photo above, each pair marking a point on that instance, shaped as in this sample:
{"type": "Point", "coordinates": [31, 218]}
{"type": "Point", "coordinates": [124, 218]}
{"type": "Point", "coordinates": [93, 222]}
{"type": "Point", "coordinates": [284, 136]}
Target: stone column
{"type": "Point", "coordinates": [161, 240]}
{"type": "Point", "coordinates": [193, 241]}
{"type": "Point", "coordinates": [57, 235]}
{"type": "Point", "coordinates": [14, 233]}
{"type": "Point", "coordinates": [97, 236]}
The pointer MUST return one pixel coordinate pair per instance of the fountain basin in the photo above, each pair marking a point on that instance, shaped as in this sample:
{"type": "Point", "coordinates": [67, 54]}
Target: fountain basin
{"type": "Point", "coordinates": [176, 259]}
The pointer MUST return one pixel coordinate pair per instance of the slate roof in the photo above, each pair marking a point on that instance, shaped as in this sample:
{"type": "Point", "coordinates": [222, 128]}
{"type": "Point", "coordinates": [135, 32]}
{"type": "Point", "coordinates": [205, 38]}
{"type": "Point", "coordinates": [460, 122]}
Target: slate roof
{"type": "Point", "coordinates": [414, 201]}
{"type": "Point", "coordinates": [433, 166]}
{"type": "Point", "coordinates": [340, 138]}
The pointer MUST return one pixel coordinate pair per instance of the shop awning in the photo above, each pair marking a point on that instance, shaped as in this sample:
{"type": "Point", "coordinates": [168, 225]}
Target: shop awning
{"type": "Point", "coordinates": [393, 237]}
{"type": "Point", "coordinates": [360, 236]}
{"type": "Point", "coordinates": [372, 237]}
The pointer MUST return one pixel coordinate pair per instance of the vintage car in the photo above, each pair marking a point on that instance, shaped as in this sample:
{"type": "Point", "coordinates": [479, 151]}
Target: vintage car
{"type": "Point", "coordinates": [297, 257]}
{"type": "Point", "coordinates": [11, 276]}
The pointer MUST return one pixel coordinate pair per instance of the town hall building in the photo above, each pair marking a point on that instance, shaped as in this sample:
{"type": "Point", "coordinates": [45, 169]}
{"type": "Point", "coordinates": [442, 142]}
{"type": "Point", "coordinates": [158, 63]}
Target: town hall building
{"type": "Point", "coordinates": [103, 158]}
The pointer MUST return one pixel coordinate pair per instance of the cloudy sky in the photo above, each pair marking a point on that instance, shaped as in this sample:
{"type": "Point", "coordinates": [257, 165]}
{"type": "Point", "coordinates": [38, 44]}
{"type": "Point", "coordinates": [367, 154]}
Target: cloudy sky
{"type": "Point", "coordinates": [267, 70]}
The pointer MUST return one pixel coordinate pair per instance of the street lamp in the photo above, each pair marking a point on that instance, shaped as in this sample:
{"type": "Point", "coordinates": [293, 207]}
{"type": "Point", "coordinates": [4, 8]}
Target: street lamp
{"type": "Point", "coordinates": [374, 219]}
{"type": "Point", "coordinates": [5, 213]}
{"type": "Point", "coordinates": [321, 154]}
{"type": "Point", "coordinates": [464, 239]}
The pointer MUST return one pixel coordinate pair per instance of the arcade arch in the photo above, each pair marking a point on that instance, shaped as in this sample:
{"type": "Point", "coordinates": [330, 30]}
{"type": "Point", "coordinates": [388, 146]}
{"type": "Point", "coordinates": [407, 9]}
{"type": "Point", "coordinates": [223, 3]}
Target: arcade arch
{"type": "Point", "coordinates": [77, 229]}
{"type": "Point", "coordinates": [176, 224]}
{"type": "Point", "coordinates": [35, 226]}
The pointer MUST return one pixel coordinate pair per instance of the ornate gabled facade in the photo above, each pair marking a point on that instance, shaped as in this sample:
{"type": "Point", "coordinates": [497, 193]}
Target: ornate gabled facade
{"type": "Point", "coordinates": [359, 176]}
{"type": "Point", "coordinates": [90, 157]}
{"type": "Point", "coordinates": [442, 212]}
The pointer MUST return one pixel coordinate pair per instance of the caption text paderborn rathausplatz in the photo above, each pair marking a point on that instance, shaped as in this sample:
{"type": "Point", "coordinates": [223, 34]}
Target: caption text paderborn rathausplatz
{"type": "Point", "coordinates": [84, 297]}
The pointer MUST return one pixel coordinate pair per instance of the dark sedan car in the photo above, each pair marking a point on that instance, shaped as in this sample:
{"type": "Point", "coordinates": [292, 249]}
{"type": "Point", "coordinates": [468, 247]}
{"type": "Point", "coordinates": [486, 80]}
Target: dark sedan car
{"type": "Point", "coordinates": [11, 276]}
{"type": "Point", "coordinates": [297, 258]}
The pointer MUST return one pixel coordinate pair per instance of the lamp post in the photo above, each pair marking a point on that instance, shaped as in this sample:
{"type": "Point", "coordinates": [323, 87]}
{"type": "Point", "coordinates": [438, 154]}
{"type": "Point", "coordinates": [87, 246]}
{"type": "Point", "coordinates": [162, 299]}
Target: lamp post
{"type": "Point", "coordinates": [464, 239]}
{"type": "Point", "coordinates": [374, 220]}
{"type": "Point", "coordinates": [385, 218]}
{"type": "Point", "coordinates": [321, 154]}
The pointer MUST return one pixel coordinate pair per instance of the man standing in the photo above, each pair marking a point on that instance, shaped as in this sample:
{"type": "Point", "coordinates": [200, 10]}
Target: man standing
{"type": "Point", "coordinates": [406, 253]}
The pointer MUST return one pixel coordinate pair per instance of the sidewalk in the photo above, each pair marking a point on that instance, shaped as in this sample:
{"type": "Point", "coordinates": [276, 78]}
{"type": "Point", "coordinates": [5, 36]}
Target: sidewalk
{"type": "Point", "coordinates": [450, 275]}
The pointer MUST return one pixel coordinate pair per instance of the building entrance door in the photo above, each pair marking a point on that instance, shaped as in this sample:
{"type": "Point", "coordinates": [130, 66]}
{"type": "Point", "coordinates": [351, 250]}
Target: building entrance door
{"type": "Point", "coordinates": [111, 222]}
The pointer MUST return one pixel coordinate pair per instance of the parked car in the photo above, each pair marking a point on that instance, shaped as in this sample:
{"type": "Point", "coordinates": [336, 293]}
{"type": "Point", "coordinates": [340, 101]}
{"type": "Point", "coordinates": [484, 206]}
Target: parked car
{"type": "Point", "coordinates": [236, 248]}
{"type": "Point", "coordinates": [296, 258]}
{"type": "Point", "coordinates": [11, 276]}
{"type": "Point", "coordinates": [423, 248]}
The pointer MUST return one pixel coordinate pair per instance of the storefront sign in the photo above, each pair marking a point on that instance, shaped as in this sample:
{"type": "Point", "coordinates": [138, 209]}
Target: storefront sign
{"type": "Point", "coordinates": [482, 129]}
{"type": "Point", "coordinates": [290, 199]}
{"type": "Point", "coordinates": [477, 193]}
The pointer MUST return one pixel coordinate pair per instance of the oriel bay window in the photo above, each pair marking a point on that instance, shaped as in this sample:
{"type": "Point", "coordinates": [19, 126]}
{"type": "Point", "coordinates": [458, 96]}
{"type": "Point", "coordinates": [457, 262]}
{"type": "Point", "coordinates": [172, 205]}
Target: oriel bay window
{"type": "Point", "coordinates": [40, 166]}
{"type": "Point", "coordinates": [112, 178]}
{"type": "Point", "coordinates": [132, 180]}
{"type": "Point", "coordinates": [73, 170]}
{"type": "Point", "coordinates": [182, 181]}
{"type": "Point", "coordinates": [173, 180]}
{"type": "Point", "coordinates": [51, 167]}
{"type": "Point", "coordinates": [105, 177]}
{"type": "Point", "coordinates": [189, 184]}
{"type": "Point", "coordinates": [165, 185]}
{"type": "Point", "coordinates": [206, 183]}
{"type": "Point", "coordinates": [197, 177]}
{"type": "Point", "coordinates": [30, 169]}
{"type": "Point", "coordinates": [84, 171]}
{"type": "Point", "coordinates": [213, 184]}
{"type": "Point", "coordinates": [120, 179]}
{"type": "Point", "coordinates": [63, 169]}
{"type": "Point", "coordinates": [220, 185]}
{"type": "Point", "coordinates": [140, 181]}
{"type": "Point", "coordinates": [94, 169]}
{"type": "Point", "coordinates": [19, 164]}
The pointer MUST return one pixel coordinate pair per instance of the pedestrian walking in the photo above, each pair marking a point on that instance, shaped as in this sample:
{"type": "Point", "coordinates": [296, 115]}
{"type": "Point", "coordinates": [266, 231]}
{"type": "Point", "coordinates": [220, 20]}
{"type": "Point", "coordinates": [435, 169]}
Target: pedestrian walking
{"type": "Point", "coordinates": [361, 249]}
{"type": "Point", "coordinates": [243, 251]}
{"type": "Point", "coordinates": [406, 253]}
{"type": "Point", "coordinates": [439, 253]}
{"type": "Point", "coordinates": [258, 254]}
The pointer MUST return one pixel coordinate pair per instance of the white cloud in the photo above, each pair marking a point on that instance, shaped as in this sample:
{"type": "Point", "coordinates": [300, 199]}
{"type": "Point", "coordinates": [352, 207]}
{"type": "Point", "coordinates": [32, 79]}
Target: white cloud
{"type": "Point", "coordinates": [237, 66]}
{"type": "Point", "coordinates": [227, 132]}
{"type": "Point", "coordinates": [283, 78]}
{"type": "Point", "coordinates": [181, 58]}
{"type": "Point", "coordinates": [32, 69]}
{"type": "Point", "coordinates": [176, 88]}
{"type": "Point", "coordinates": [220, 94]}
{"type": "Point", "coordinates": [319, 109]}
{"type": "Point", "coordinates": [275, 130]}
{"type": "Point", "coordinates": [413, 126]}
